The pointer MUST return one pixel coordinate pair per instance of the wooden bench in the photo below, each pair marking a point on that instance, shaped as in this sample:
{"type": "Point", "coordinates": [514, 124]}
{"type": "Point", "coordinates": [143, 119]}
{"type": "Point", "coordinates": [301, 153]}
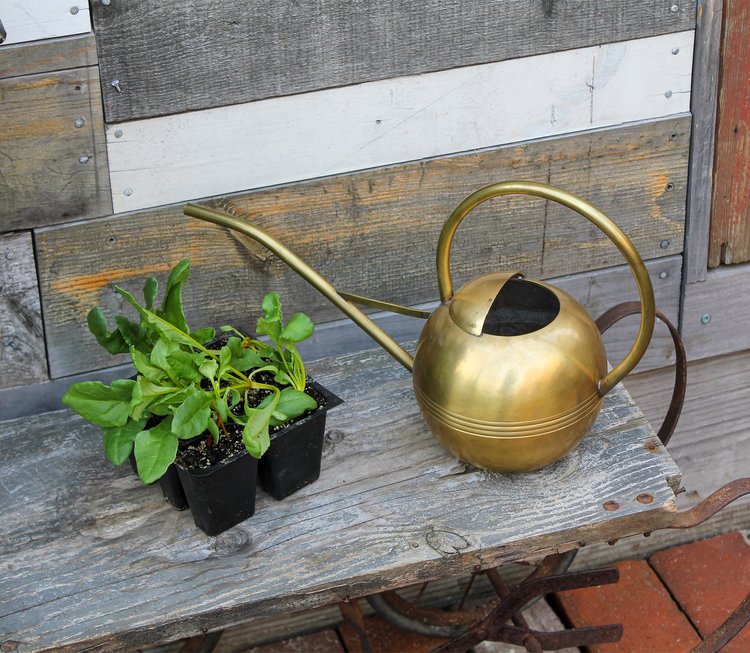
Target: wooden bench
{"type": "Point", "coordinates": [92, 559]}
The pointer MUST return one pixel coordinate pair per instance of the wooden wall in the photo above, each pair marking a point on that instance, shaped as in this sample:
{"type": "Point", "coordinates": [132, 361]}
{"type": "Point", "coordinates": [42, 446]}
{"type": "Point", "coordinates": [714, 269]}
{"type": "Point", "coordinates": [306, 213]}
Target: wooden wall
{"type": "Point", "coordinates": [349, 131]}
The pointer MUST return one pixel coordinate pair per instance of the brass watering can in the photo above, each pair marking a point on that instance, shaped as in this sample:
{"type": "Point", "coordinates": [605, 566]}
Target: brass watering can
{"type": "Point", "coordinates": [509, 373]}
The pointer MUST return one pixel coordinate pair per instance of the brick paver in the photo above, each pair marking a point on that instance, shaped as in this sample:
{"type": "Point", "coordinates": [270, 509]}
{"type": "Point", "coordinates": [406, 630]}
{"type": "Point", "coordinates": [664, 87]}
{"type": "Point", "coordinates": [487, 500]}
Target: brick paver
{"type": "Point", "coordinates": [652, 622]}
{"type": "Point", "coordinates": [709, 579]}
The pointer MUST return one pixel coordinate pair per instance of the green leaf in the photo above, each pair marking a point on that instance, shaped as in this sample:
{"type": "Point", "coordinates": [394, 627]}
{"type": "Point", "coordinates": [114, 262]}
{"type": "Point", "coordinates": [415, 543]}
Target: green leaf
{"type": "Point", "coordinates": [214, 430]}
{"type": "Point", "coordinates": [166, 404]}
{"type": "Point", "coordinates": [155, 451]}
{"type": "Point", "coordinates": [118, 440]}
{"type": "Point", "coordinates": [185, 365]}
{"type": "Point", "coordinates": [299, 327]}
{"type": "Point", "coordinates": [113, 341]}
{"type": "Point", "coordinates": [209, 368]}
{"type": "Point", "coordinates": [144, 366]}
{"type": "Point", "coordinates": [192, 415]}
{"type": "Point", "coordinates": [293, 403]}
{"type": "Point", "coordinates": [244, 358]}
{"type": "Point", "coordinates": [270, 325]}
{"type": "Point", "coordinates": [145, 391]}
{"type": "Point", "coordinates": [136, 335]}
{"type": "Point", "coordinates": [101, 404]}
{"type": "Point", "coordinates": [161, 352]}
{"type": "Point", "coordinates": [150, 288]}
{"type": "Point", "coordinates": [271, 306]}
{"type": "Point", "coordinates": [171, 309]}
{"type": "Point", "coordinates": [255, 433]}
{"type": "Point", "coordinates": [204, 335]}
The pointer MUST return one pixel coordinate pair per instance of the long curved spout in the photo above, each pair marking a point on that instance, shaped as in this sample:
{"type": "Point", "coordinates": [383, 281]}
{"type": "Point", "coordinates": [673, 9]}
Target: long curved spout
{"type": "Point", "coordinates": [308, 274]}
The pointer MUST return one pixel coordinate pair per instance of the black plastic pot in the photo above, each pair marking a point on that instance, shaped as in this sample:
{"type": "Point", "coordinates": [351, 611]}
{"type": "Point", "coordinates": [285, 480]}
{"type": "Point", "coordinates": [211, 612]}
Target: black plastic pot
{"type": "Point", "coordinates": [293, 459]}
{"type": "Point", "coordinates": [223, 495]}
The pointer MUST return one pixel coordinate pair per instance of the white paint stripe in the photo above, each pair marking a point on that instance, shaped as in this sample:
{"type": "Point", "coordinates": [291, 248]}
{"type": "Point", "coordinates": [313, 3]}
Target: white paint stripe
{"type": "Point", "coordinates": [229, 149]}
{"type": "Point", "coordinates": [31, 20]}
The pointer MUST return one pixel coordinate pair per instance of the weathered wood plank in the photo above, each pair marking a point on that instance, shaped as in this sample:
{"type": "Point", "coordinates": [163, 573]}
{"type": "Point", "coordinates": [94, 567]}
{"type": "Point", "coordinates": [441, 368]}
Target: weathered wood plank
{"type": "Point", "coordinates": [703, 101]}
{"type": "Point", "coordinates": [103, 561]}
{"type": "Point", "coordinates": [47, 56]}
{"type": "Point", "coordinates": [730, 218]}
{"type": "Point", "coordinates": [52, 170]}
{"type": "Point", "coordinates": [229, 149]}
{"type": "Point", "coordinates": [375, 233]}
{"type": "Point", "coordinates": [716, 313]}
{"type": "Point", "coordinates": [43, 19]}
{"type": "Point", "coordinates": [710, 443]}
{"type": "Point", "coordinates": [211, 54]}
{"type": "Point", "coordinates": [23, 356]}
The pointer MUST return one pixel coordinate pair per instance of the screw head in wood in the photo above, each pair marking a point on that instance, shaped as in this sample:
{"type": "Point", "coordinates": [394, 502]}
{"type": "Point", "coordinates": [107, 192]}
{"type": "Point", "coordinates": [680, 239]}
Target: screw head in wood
{"type": "Point", "coordinates": [106, 3]}
{"type": "Point", "coordinates": [664, 244]}
{"type": "Point", "coordinates": [127, 192]}
{"type": "Point", "coordinates": [74, 10]}
{"type": "Point", "coordinates": [611, 505]}
{"type": "Point", "coordinates": [674, 8]}
{"type": "Point", "coordinates": [663, 275]}
{"type": "Point", "coordinates": [83, 159]}
{"type": "Point", "coordinates": [674, 50]}
{"type": "Point", "coordinates": [668, 94]}
{"type": "Point", "coordinates": [79, 122]}
{"type": "Point", "coordinates": [705, 318]}
{"type": "Point", "coordinates": [118, 133]}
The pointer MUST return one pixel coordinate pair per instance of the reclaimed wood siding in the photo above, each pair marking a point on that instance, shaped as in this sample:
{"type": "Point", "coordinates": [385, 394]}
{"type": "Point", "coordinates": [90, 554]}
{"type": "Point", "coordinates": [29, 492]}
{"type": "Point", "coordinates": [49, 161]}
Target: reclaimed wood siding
{"type": "Point", "coordinates": [703, 99]}
{"type": "Point", "coordinates": [716, 313]}
{"type": "Point", "coordinates": [31, 20]}
{"type": "Point", "coordinates": [730, 219]}
{"type": "Point", "coordinates": [53, 161]}
{"type": "Point", "coordinates": [23, 357]}
{"type": "Point", "coordinates": [375, 233]}
{"type": "Point", "coordinates": [241, 147]}
{"type": "Point", "coordinates": [47, 56]}
{"type": "Point", "coordinates": [213, 53]}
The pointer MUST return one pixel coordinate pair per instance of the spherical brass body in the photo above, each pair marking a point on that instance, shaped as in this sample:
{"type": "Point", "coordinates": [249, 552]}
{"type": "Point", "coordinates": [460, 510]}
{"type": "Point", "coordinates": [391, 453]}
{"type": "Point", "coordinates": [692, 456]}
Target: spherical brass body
{"type": "Point", "coordinates": [508, 403]}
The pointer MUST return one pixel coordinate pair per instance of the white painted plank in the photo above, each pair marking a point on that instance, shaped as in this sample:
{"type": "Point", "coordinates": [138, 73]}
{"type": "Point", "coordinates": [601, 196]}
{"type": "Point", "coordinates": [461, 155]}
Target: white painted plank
{"type": "Point", "coordinates": [227, 149]}
{"type": "Point", "coordinates": [26, 20]}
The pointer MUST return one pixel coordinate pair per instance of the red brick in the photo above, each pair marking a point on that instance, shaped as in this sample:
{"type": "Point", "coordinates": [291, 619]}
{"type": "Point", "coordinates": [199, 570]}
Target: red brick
{"type": "Point", "coordinates": [709, 579]}
{"type": "Point", "coordinates": [652, 622]}
{"type": "Point", "coordinates": [387, 638]}
{"type": "Point", "coordinates": [324, 641]}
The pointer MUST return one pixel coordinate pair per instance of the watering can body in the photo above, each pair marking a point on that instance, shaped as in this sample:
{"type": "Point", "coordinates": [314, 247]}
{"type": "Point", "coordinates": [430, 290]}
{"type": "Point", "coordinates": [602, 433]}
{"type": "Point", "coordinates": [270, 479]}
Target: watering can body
{"type": "Point", "coordinates": [509, 373]}
{"type": "Point", "coordinates": [508, 402]}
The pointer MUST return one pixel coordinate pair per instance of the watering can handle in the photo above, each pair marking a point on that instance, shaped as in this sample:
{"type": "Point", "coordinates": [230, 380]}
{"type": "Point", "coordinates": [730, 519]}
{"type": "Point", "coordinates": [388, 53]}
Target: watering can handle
{"type": "Point", "coordinates": [588, 211]}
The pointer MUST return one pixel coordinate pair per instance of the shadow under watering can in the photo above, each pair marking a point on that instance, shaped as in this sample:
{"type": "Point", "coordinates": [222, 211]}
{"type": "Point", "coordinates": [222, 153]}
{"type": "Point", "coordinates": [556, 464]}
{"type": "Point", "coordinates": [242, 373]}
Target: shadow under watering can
{"type": "Point", "coordinates": [509, 372]}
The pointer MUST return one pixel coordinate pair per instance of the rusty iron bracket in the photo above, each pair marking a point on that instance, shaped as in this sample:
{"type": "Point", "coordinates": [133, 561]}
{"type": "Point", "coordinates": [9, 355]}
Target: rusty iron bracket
{"type": "Point", "coordinates": [712, 504]}
{"type": "Point", "coordinates": [494, 628]}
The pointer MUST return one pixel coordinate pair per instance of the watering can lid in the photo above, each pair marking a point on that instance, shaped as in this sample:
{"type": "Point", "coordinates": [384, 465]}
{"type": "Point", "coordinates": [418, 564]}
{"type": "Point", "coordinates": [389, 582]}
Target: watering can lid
{"type": "Point", "coordinates": [470, 307]}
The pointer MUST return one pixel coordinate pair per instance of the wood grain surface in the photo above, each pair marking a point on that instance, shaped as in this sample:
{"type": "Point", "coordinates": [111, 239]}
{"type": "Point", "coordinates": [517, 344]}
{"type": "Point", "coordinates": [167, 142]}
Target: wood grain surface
{"type": "Point", "coordinates": [47, 56]}
{"type": "Point", "coordinates": [375, 233]}
{"type": "Point", "coordinates": [229, 149]}
{"type": "Point", "coordinates": [211, 54]}
{"type": "Point", "coordinates": [716, 313]}
{"type": "Point", "coordinates": [703, 99]}
{"type": "Point", "coordinates": [23, 358]}
{"type": "Point", "coordinates": [102, 561]}
{"type": "Point", "coordinates": [42, 178]}
{"type": "Point", "coordinates": [711, 443]}
{"type": "Point", "coordinates": [730, 217]}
